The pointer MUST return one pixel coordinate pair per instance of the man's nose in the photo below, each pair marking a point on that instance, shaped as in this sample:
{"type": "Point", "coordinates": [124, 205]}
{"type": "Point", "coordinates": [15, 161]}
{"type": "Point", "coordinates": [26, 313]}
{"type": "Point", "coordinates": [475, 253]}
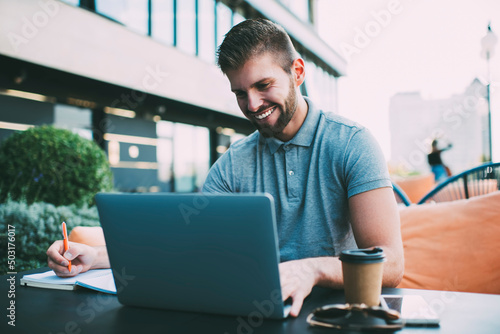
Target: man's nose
{"type": "Point", "coordinates": [254, 101]}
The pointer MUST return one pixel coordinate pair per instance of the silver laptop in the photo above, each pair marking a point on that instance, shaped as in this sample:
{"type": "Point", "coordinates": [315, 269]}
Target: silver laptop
{"type": "Point", "coordinates": [194, 252]}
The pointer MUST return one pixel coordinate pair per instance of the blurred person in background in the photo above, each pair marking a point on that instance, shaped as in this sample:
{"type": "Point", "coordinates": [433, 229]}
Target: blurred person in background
{"type": "Point", "coordinates": [439, 169]}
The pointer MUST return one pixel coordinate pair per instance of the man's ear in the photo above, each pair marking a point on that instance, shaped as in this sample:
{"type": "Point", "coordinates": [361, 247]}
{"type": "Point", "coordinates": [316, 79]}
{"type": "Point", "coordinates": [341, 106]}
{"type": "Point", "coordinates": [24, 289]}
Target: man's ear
{"type": "Point", "coordinates": [298, 71]}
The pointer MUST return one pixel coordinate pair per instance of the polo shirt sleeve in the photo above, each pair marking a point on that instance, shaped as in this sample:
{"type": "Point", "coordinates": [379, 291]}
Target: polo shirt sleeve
{"type": "Point", "coordinates": [217, 180]}
{"type": "Point", "coordinates": [365, 167]}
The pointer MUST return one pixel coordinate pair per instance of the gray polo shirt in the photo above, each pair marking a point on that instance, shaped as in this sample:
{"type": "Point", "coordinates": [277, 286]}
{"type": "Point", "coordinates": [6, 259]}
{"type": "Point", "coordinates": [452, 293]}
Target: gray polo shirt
{"type": "Point", "coordinates": [310, 177]}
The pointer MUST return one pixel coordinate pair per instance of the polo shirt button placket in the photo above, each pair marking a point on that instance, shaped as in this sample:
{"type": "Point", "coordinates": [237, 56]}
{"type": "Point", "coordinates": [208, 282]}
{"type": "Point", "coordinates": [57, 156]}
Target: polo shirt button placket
{"type": "Point", "coordinates": [291, 164]}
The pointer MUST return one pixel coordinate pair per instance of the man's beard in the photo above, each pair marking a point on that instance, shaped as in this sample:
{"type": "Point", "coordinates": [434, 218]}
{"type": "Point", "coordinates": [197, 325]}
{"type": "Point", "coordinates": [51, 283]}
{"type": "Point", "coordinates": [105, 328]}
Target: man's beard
{"type": "Point", "coordinates": [284, 118]}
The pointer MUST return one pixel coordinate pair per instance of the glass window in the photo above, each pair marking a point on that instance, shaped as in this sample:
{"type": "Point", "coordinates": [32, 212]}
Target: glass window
{"type": "Point", "coordinates": [225, 138]}
{"type": "Point", "coordinates": [78, 120]}
{"type": "Point", "coordinates": [131, 13]}
{"type": "Point", "coordinates": [330, 92]}
{"type": "Point", "coordinates": [299, 7]}
{"type": "Point", "coordinates": [165, 152]}
{"type": "Point", "coordinates": [311, 82]}
{"type": "Point", "coordinates": [206, 30]}
{"type": "Point", "coordinates": [162, 21]}
{"type": "Point", "coordinates": [183, 156]}
{"type": "Point", "coordinates": [72, 2]}
{"type": "Point", "coordinates": [186, 26]}
{"type": "Point", "coordinates": [191, 157]}
{"type": "Point", "coordinates": [201, 156]}
{"type": "Point", "coordinates": [224, 15]}
{"type": "Point", "coordinates": [334, 92]}
{"type": "Point", "coordinates": [321, 87]}
{"type": "Point", "coordinates": [237, 18]}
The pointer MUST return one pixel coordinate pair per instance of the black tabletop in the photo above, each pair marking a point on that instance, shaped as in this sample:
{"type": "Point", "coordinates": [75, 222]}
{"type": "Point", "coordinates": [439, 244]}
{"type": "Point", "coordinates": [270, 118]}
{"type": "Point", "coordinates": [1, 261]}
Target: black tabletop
{"type": "Point", "coordinates": [85, 311]}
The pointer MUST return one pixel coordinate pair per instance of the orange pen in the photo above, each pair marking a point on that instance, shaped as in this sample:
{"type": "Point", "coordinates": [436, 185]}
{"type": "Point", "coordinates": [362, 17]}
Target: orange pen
{"type": "Point", "coordinates": [65, 240]}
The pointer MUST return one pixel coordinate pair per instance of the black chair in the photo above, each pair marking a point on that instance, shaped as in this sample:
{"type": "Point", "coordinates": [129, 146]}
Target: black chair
{"type": "Point", "coordinates": [473, 182]}
{"type": "Point", "coordinates": [401, 197]}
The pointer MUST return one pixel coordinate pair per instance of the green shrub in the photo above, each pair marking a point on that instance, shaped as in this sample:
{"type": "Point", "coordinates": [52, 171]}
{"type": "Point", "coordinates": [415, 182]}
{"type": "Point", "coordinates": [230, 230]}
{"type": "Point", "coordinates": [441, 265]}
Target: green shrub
{"type": "Point", "coordinates": [47, 164]}
{"type": "Point", "coordinates": [36, 227]}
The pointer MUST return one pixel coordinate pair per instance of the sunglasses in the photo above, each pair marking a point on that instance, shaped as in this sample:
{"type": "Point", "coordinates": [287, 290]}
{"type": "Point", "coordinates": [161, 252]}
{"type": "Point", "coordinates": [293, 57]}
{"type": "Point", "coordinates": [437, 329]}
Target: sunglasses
{"type": "Point", "coordinates": [356, 317]}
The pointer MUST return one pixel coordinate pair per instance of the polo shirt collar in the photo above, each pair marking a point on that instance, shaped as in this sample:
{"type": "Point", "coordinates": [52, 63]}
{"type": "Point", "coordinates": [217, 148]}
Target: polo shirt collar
{"type": "Point", "coordinates": [305, 135]}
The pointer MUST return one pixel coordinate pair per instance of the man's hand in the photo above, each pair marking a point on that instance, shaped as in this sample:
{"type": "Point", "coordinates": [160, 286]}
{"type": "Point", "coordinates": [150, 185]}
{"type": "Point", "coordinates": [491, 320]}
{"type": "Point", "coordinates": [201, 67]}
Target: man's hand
{"type": "Point", "coordinates": [82, 258]}
{"type": "Point", "coordinates": [297, 280]}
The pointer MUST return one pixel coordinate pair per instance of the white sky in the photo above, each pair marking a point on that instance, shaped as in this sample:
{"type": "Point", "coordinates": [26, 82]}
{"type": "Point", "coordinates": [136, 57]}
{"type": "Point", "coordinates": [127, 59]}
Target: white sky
{"type": "Point", "coordinates": [431, 46]}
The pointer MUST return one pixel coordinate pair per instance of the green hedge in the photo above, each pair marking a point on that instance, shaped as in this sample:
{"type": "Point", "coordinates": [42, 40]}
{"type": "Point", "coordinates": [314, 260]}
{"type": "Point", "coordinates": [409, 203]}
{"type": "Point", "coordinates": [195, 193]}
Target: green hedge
{"type": "Point", "coordinates": [36, 227]}
{"type": "Point", "coordinates": [47, 164]}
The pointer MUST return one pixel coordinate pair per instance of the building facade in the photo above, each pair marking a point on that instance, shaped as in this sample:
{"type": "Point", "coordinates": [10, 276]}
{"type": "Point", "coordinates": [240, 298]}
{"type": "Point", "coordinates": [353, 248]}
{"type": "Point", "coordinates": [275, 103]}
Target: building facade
{"type": "Point", "coordinates": [461, 120]}
{"type": "Point", "coordinates": [139, 78]}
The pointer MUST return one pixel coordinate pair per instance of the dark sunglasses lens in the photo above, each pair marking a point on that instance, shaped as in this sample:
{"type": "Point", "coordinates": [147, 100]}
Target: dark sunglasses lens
{"type": "Point", "coordinates": [330, 313]}
{"type": "Point", "coordinates": [385, 314]}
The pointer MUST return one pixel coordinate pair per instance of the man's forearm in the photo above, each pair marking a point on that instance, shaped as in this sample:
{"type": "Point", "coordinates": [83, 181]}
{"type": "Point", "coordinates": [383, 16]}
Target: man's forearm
{"type": "Point", "coordinates": [328, 270]}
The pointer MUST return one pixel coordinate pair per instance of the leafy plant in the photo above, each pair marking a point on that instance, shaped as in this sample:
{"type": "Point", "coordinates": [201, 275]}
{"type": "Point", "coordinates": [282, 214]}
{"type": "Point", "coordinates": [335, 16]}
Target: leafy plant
{"type": "Point", "coordinates": [35, 227]}
{"type": "Point", "coordinates": [47, 164]}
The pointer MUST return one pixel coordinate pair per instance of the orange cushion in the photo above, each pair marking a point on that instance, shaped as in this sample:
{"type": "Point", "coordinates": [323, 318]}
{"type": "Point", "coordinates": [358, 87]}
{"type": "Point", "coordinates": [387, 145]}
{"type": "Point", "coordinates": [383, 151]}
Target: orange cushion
{"type": "Point", "coordinates": [92, 236]}
{"type": "Point", "coordinates": [453, 246]}
{"type": "Point", "coordinates": [416, 187]}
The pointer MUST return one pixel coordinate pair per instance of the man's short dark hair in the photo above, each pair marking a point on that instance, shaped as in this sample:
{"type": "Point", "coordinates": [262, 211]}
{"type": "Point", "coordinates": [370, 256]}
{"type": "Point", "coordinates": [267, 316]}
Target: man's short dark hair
{"type": "Point", "coordinates": [252, 38]}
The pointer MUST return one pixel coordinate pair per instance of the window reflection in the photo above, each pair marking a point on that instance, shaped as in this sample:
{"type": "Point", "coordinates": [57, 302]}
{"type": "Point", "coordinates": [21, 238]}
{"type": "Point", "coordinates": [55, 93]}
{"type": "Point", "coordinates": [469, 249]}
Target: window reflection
{"type": "Point", "coordinates": [162, 21]}
{"type": "Point", "coordinates": [191, 157]}
{"type": "Point", "coordinates": [224, 14]}
{"type": "Point", "coordinates": [72, 2]}
{"type": "Point", "coordinates": [311, 84]}
{"type": "Point", "coordinates": [78, 120]}
{"type": "Point", "coordinates": [237, 18]}
{"type": "Point", "coordinates": [225, 138]}
{"type": "Point", "coordinates": [206, 26]}
{"type": "Point", "coordinates": [165, 153]}
{"type": "Point", "coordinates": [298, 7]}
{"type": "Point", "coordinates": [321, 87]}
{"type": "Point", "coordinates": [131, 13]}
{"type": "Point", "coordinates": [186, 26]}
{"type": "Point", "coordinates": [182, 155]}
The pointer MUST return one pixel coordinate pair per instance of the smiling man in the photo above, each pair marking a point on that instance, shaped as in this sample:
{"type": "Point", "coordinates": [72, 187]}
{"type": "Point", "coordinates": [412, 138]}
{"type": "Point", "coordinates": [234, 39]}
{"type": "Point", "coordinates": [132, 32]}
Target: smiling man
{"type": "Point", "coordinates": [327, 174]}
{"type": "Point", "coordinates": [266, 95]}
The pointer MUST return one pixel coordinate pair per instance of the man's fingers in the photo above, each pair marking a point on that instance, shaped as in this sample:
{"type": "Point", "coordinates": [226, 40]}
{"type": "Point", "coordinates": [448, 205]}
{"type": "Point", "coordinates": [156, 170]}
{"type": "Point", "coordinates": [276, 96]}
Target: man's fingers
{"type": "Point", "coordinates": [289, 285]}
{"type": "Point", "coordinates": [58, 259]}
{"type": "Point", "coordinates": [286, 292]}
{"type": "Point", "coordinates": [74, 250]}
{"type": "Point", "coordinates": [54, 253]}
{"type": "Point", "coordinates": [71, 253]}
{"type": "Point", "coordinates": [62, 271]}
{"type": "Point", "coordinates": [294, 292]}
{"type": "Point", "coordinates": [75, 270]}
{"type": "Point", "coordinates": [298, 300]}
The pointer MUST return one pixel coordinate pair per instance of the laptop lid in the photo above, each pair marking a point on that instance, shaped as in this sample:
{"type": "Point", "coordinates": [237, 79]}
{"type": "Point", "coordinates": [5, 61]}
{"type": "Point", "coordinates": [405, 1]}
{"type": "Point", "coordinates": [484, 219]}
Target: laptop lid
{"type": "Point", "coordinates": [194, 252]}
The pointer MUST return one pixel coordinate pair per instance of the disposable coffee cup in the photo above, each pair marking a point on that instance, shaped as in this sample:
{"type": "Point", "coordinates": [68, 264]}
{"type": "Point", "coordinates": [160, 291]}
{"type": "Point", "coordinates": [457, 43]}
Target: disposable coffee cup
{"type": "Point", "coordinates": [362, 270]}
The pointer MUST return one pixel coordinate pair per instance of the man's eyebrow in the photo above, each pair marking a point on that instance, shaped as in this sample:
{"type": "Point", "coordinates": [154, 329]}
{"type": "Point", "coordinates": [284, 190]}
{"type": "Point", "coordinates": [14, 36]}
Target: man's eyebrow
{"type": "Point", "coordinates": [261, 81]}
